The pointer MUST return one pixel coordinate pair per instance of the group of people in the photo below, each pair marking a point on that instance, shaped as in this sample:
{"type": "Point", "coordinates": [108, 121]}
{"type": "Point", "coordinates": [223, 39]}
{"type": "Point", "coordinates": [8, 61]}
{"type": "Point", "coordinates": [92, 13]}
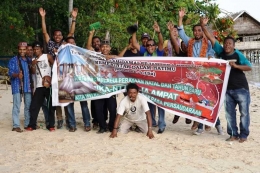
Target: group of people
{"type": "Point", "coordinates": [27, 68]}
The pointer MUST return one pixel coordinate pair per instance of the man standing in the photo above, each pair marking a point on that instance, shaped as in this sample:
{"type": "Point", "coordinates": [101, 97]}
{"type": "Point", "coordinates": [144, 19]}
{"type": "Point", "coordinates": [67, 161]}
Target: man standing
{"type": "Point", "coordinates": [135, 109]}
{"type": "Point", "coordinates": [102, 105]}
{"type": "Point", "coordinates": [83, 105]}
{"type": "Point", "coordinates": [41, 66]}
{"type": "Point", "coordinates": [237, 88]}
{"type": "Point", "coordinates": [19, 73]}
{"type": "Point", "coordinates": [196, 47]}
{"type": "Point", "coordinates": [94, 44]}
{"type": "Point", "coordinates": [53, 46]}
{"type": "Point", "coordinates": [151, 50]}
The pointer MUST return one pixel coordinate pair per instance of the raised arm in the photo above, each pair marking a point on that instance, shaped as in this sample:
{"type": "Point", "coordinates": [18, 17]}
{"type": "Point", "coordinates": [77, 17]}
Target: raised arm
{"type": "Point", "coordinates": [203, 23]}
{"type": "Point", "coordinates": [181, 31]}
{"type": "Point", "coordinates": [135, 42]}
{"type": "Point", "coordinates": [44, 30]}
{"type": "Point", "coordinates": [74, 14]}
{"type": "Point", "coordinates": [173, 37]}
{"type": "Point", "coordinates": [90, 37]}
{"type": "Point", "coordinates": [160, 37]}
{"type": "Point", "coordinates": [181, 15]}
{"type": "Point", "coordinates": [121, 54]}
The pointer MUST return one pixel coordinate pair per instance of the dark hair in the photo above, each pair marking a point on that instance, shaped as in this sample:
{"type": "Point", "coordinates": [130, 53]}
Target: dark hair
{"type": "Point", "coordinates": [132, 86]}
{"type": "Point", "coordinates": [97, 38]}
{"type": "Point", "coordinates": [195, 26]}
{"type": "Point", "coordinates": [69, 38]}
{"type": "Point", "coordinates": [56, 30]}
{"type": "Point", "coordinates": [29, 45]}
{"type": "Point", "coordinates": [152, 40]}
{"type": "Point", "coordinates": [229, 38]}
{"type": "Point", "coordinates": [37, 44]}
{"type": "Point", "coordinates": [129, 39]}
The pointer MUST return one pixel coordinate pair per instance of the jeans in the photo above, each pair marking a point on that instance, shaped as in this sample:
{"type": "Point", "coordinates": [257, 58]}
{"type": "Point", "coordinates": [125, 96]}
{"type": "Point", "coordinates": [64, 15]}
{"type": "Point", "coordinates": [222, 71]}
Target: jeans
{"type": "Point", "coordinates": [161, 115]}
{"type": "Point", "coordinates": [85, 114]}
{"type": "Point", "coordinates": [240, 97]}
{"type": "Point", "coordinates": [16, 109]}
{"type": "Point", "coordinates": [200, 126]}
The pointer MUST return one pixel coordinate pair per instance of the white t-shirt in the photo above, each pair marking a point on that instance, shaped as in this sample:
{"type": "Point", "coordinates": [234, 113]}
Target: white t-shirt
{"type": "Point", "coordinates": [44, 66]}
{"type": "Point", "coordinates": [133, 111]}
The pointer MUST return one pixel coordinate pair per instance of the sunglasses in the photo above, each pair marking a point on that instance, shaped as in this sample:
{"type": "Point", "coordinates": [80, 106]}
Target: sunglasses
{"type": "Point", "coordinates": [148, 45]}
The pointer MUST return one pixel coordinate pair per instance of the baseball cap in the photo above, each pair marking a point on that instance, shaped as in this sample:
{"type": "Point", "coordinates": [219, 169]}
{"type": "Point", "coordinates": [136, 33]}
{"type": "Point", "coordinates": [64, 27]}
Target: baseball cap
{"type": "Point", "coordinates": [145, 35]}
{"type": "Point", "coordinates": [37, 44]}
{"type": "Point", "coordinates": [22, 44]}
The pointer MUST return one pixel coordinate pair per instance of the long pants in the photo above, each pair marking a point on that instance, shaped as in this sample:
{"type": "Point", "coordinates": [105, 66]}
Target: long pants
{"type": "Point", "coordinates": [99, 109]}
{"type": "Point", "coordinates": [39, 95]}
{"type": "Point", "coordinates": [93, 111]}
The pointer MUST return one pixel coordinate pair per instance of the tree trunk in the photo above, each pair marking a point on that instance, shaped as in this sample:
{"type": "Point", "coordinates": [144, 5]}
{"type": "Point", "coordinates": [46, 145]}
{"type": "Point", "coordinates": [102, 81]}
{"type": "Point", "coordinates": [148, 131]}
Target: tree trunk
{"type": "Point", "coordinates": [70, 9]}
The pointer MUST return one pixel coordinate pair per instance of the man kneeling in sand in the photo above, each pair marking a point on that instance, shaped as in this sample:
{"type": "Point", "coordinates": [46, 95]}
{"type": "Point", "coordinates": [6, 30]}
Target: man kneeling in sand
{"type": "Point", "coordinates": [134, 108]}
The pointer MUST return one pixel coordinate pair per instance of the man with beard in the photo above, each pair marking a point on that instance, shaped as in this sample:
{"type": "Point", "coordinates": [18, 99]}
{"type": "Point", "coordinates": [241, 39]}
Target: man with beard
{"type": "Point", "coordinates": [198, 46]}
{"type": "Point", "coordinates": [53, 46]}
{"type": "Point", "coordinates": [237, 93]}
{"type": "Point", "coordinates": [135, 109]}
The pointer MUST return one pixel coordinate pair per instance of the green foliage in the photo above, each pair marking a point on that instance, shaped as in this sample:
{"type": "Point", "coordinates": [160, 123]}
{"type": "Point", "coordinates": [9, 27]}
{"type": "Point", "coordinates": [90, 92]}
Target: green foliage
{"type": "Point", "coordinates": [114, 15]}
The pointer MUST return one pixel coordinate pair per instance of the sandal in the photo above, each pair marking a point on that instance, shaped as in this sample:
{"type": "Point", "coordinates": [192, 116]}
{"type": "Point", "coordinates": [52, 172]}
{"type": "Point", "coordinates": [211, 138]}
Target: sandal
{"type": "Point", "coordinates": [87, 128]}
{"type": "Point", "coordinates": [175, 119]}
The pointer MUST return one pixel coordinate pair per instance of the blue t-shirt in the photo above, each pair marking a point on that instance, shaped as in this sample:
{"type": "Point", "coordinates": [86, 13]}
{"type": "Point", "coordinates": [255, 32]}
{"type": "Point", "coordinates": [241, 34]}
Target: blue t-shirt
{"type": "Point", "coordinates": [143, 51]}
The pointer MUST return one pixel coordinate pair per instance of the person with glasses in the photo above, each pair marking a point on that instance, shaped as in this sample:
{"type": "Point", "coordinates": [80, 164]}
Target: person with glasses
{"type": "Point", "coordinates": [150, 49]}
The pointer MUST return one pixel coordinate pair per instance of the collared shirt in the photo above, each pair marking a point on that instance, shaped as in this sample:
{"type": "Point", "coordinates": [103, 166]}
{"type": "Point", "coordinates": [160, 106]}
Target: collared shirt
{"type": "Point", "coordinates": [13, 67]}
{"type": "Point", "coordinates": [197, 44]}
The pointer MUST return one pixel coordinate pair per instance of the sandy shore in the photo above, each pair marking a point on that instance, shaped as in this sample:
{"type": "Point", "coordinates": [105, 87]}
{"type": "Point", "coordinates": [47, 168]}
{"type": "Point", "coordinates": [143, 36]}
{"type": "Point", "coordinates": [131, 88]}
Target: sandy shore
{"type": "Point", "coordinates": [176, 150]}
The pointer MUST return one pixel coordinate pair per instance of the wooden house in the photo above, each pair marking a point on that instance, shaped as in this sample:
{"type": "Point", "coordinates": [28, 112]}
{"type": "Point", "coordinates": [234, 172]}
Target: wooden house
{"type": "Point", "coordinates": [248, 30]}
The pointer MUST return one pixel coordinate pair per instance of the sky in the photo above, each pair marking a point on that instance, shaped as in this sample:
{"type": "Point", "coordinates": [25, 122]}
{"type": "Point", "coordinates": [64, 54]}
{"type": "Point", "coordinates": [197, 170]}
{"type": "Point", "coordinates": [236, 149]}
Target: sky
{"type": "Point", "coordinates": [251, 6]}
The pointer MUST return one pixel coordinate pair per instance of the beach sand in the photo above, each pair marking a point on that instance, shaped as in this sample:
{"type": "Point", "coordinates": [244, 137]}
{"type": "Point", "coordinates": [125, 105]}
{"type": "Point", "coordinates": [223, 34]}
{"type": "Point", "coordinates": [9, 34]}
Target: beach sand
{"type": "Point", "coordinates": [176, 150]}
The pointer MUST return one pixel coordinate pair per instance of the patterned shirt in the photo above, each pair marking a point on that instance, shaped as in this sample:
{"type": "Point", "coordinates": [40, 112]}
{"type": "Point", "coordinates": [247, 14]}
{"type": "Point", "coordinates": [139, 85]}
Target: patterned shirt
{"type": "Point", "coordinates": [51, 45]}
{"type": "Point", "coordinates": [13, 67]}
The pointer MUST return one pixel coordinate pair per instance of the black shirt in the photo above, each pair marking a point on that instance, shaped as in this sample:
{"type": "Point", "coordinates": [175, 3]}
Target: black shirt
{"type": "Point", "coordinates": [237, 78]}
{"type": "Point", "coordinates": [129, 53]}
